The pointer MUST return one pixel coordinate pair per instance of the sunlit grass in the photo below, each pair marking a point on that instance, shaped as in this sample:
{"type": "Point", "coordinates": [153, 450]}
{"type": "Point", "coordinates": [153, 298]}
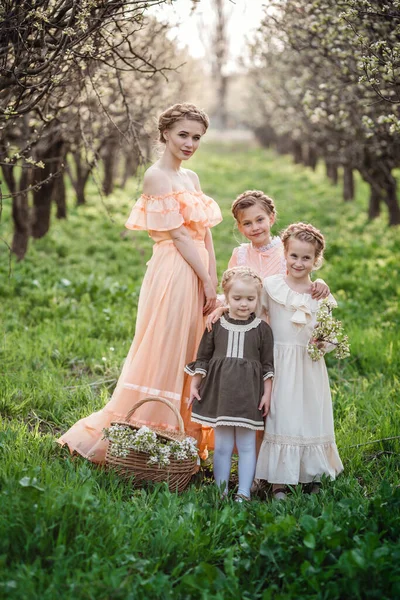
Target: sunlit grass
{"type": "Point", "coordinates": [71, 530]}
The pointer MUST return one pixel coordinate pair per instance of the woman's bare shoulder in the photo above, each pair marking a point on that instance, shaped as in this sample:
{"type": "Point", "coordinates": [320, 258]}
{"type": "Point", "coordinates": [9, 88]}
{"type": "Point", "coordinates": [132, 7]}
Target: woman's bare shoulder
{"type": "Point", "coordinates": [195, 178]}
{"type": "Point", "coordinates": [156, 182]}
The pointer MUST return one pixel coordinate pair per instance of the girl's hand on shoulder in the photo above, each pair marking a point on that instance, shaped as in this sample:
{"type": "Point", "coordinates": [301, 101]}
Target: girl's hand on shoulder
{"type": "Point", "coordinates": [319, 290]}
{"type": "Point", "coordinates": [265, 404]}
{"type": "Point", "coordinates": [214, 316]}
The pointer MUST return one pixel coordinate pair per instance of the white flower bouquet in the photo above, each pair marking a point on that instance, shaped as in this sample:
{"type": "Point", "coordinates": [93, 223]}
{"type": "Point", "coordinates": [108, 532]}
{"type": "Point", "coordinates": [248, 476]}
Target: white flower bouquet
{"type": "Point", "coordinates": [328, 332]}
{"type": "Point", "coordinates": [160, 450]}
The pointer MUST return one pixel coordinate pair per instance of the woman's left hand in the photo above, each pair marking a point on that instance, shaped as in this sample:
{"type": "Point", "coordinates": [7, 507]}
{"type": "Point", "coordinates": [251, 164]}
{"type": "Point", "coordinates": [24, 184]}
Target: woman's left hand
{"type": "Point", "coordinates": [211, 298]}
{"type": "Point", "coordinates": [319, 290]}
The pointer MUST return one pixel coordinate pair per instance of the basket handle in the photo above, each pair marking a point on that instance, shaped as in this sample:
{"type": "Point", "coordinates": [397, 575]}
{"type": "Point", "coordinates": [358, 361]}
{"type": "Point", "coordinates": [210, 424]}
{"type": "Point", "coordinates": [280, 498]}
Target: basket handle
{"type": "Point", "coordinates": [164, 401]}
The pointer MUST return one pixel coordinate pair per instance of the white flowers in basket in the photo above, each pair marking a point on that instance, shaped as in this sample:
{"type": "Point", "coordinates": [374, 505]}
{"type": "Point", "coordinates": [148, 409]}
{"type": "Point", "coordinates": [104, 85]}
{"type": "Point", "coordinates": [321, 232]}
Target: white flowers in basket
{"type": "Point", "coordinates": [160, 450]}
{"type": "Point", "coordinates": [328, 331]}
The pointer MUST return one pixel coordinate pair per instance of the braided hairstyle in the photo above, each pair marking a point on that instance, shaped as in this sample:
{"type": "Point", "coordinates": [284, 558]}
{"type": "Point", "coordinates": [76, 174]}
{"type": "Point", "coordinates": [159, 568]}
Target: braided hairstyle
{"type": "Point", "coordinates": [236, 273]}
{"type": "Point", "coordinates": [251, 198]}
{"type": "Point", "coordinates": [177, 112]}
{"type": "Point", "coordinates": [305, 232]}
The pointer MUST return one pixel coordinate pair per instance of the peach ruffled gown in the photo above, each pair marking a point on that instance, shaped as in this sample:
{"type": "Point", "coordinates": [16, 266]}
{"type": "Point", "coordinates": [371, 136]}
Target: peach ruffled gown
{"type": "Point", "coordinates": [169, 324]}
{"type": "Point", "coordinates": [266, 261]}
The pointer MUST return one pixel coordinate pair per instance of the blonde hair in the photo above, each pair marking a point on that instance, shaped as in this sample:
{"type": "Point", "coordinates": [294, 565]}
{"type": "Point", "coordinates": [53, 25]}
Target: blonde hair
{"type": "Point", "coordinates": [235, 273]}
{"type": "Point", "coordinates": [177, 112]}
{"type": "Point", "coordinates": [305, 232]}
{"type": "Point", "coordinates": [251, 198]}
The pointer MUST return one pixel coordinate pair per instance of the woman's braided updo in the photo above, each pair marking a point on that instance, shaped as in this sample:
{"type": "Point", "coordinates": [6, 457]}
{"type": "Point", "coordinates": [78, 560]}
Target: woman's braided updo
{"type": "Point", "coordinates": [305, 233]}
{"type": "Point", "coordinates": [251, 198]}
{"type": "Point", "coordinates": [236, 273]}
{"type": "Point", "coordinates": [177, 112]}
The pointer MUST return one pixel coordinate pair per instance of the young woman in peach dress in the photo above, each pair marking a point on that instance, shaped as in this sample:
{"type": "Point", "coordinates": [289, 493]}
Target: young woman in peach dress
{"type": "Point", "coordinates": [178, 289]}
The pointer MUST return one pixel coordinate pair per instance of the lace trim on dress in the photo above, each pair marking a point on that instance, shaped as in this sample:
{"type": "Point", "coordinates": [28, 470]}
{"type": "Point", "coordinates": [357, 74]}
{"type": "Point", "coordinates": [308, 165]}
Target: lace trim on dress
{"type": "Point", "coordinates": [196, 371]}
{"type": "Point", "coordinates": [220, 421]}
{"type": "Point", "coordinates": [274, 242]}
{"type": "Point", "coordinates": [297, 440]}
{"type": "Point", "coordinates": [268, 375]}
{"type": "Point", "coordinates": [241, 424]}
{"type": "Point", "coordinates": [233, 327]}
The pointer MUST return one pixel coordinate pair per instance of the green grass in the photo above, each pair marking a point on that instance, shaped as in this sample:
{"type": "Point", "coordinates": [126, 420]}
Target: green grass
{"type": "Point", "coordinates": [71, 530]}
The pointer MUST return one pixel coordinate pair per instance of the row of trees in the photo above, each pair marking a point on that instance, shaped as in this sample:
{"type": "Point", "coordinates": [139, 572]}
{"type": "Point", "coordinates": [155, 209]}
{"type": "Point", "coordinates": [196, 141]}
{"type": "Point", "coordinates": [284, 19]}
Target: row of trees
{"type": "Point", "coordinates": [81, 82]}
{"type": "Point", "coordinates": [326, 84]}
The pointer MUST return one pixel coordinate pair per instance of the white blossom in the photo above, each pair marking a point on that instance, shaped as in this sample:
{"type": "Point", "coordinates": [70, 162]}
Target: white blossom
{"type": "Point", "coordinates": [327, 330]}
{"type": "Point", "coordinates": [124, 439]}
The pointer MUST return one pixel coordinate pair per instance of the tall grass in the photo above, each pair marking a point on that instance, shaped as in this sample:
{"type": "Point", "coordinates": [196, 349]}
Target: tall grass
{"type": "Point", "coordinates": [71, 530]}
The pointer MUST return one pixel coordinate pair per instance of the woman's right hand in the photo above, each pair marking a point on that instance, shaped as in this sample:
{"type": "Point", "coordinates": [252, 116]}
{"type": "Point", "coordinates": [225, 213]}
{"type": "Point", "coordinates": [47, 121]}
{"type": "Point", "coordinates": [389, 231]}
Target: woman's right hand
{"type": "Point", "coordinates": [210, 298]}
{"type": "Point", "coordinates": [214, 316]}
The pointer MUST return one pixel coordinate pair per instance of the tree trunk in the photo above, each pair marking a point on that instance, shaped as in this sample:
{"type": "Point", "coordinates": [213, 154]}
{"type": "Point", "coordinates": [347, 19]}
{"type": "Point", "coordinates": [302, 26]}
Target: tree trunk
{"type": "Point", "coordinates": [310, 156]}
{"type": "Point", "coordinates": [109, 156]}
{"type": "Point", "coordinates": [43, 195]}
{"type": "Point", "coordinates": [131, 165]}
{"type": "Point", "coordinates": [283, 144]}
{"type": "Point", "coordinates": [264, 135]}
{"type": "Point", "coordinates": [378, 173]}
{"type": "Point", "coordinates": [222, 94]}
{"type": "Point", "coordinates": [80, 191]}
{"type": "Point", "coordinates": [391, 201]}
{"type": "Point", "coordinates": [374, 206]}
{"type": "Point", "coordinates": [20, 215]}
{"type": "Point", "coordinates": [147, 145]}
{"type": "Point", "coordinates": [20, 209]}
{"type": "Point", "coordinates": [60, 196]}
{"type": "Point", "coordinates": [59, 192]}
{"type": "Point", "coordinates": [297, 152]}
{"type": "Point", "coordinates": [219, 54]}
{"type": "Point", "coordinates": [82, 170]}
{"type": "Point", "coordinates": [348, 183]}
{"type": "Point", "coordinates": [332, 172]}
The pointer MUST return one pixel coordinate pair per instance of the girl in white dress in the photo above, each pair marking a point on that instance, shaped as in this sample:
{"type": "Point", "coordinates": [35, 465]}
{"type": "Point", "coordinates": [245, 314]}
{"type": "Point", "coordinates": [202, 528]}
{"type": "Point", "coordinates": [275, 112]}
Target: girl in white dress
{"type": "Point", "coordinates": [299, 441]}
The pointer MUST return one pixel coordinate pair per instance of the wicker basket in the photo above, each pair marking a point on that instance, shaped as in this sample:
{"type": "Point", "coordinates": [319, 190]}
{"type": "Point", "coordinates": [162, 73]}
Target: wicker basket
{"type": "Point", "coordinates": [177, 474]}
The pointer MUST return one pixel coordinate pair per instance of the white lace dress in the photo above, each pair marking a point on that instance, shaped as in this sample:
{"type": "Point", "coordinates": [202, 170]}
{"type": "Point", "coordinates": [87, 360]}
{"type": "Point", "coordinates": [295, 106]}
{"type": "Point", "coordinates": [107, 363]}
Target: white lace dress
{"type": "Point", "coordinates": [299, 441]}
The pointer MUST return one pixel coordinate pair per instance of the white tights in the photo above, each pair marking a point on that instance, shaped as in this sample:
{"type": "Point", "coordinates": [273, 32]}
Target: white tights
{"type": "Point", "coordinates": [225, 438]}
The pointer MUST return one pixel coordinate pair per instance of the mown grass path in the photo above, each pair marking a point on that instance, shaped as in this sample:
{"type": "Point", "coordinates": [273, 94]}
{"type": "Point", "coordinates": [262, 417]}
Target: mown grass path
{"type": "Point", "coordinates": [72, 531]}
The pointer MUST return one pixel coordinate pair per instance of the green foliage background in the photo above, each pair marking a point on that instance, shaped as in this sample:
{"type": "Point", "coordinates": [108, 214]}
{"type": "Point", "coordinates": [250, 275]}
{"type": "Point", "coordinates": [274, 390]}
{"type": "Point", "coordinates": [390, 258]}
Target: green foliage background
{"type": "Point", "coordinates": [70, 530]}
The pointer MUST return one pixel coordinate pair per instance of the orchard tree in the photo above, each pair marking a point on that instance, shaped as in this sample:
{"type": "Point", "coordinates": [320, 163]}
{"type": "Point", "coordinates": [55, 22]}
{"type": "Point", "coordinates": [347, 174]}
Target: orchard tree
{"type": "Point", "coordinates": [115, 115]}
{"type": "Point", "coordinates": [318, 93]}
{"type": "Point", "coordinates": [47, 50]}
{"type": "Point", "coordinates": [42, 42]}
{"type": "Point", "coordinates": [376, 25]}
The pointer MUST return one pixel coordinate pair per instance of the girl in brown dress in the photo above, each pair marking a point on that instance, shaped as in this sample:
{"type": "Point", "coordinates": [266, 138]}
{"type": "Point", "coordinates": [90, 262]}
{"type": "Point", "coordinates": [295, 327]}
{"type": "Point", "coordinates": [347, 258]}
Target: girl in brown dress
{"type": "Point", "coordinates": [232, 378]}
